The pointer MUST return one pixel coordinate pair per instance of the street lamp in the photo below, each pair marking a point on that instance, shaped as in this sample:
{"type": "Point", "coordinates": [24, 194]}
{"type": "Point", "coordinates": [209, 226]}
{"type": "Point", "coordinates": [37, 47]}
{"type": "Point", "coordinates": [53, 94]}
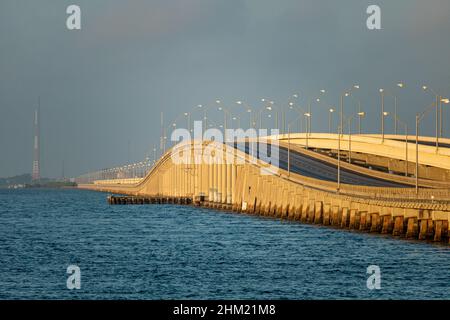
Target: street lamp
{"type": "Point", "coordinates": [419, 117]}
{"type": "Point", "coordinates": [188, 120]}
{"type": "Point", "coordinates": [238, 121]}
{"type": "Point", "coordinates": [345, 94]}
{"type": "Point", "coordinates": [225, 112]}
{"type": "Point", "coordinates": [360, 115]}
{"type": "Point", "coordinates": [249, 110]}
{"type": "Point", "coordinates": [382, 114]}
{"type": "Point", "coordinates": [358, 102]}
{"type": "Point", "coordinates": [289, 138]}
{"type": "Point", "coordinates": [438, 105]}
{"type": "Point", "coordinates": [269, 106]}
{"type": "Point", "coordinates": [283, 112]}
{"type": "Point", "coordinates": [301, 116]}
{"type": "Point", "coordinates": [400, 85]}
{"type": "Point", "coordinates": [322, 91]}
{"type": "Point", "coordinates": [405, 125]}
{"type": "Point", "coordinates": [308, 128]}
{"type": "Point", "coordinates": [339, 132]}
{"type": "Point", "coordinates": [200, 106]}
{"type": "Point", "coordinates": [330, 115]}
{"type": "Point", "coordinates": [289, 150]}
{"type": "Point", "coordinates": [384, 92]}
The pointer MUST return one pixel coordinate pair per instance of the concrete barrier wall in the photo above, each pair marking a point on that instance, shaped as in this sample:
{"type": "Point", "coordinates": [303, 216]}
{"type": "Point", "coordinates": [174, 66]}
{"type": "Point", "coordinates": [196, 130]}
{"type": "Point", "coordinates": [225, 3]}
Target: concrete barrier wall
{"type": "Point", "coordinates": [243, 185]}
{"type": "Point", "coordinates": [372, 144]}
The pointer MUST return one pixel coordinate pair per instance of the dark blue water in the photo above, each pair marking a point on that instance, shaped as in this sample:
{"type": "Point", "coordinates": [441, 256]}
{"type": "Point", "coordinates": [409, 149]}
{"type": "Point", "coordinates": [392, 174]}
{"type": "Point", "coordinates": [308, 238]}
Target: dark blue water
{"type": "Point", "coordinates": [181, 252]}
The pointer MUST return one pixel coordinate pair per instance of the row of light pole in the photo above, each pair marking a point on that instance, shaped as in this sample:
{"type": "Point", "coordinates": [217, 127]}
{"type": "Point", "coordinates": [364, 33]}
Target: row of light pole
{"type": "Point", "coordinates": [439, 127]}
{"type": "Point", "coordinates": [269, 105]}
{"type": "Point", "coordinates": [134, 170]}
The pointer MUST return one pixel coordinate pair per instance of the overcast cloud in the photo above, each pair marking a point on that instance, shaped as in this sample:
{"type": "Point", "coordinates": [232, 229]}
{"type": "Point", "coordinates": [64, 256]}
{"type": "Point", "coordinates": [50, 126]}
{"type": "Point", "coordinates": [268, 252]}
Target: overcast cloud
{"type": "Point", "coordinates": [106, 84]}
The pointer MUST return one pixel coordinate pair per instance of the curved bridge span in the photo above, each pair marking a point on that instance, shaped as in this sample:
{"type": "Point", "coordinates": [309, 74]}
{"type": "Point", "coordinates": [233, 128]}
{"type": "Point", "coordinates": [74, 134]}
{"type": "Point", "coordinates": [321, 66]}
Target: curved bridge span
{"type": "Point", "coordinates": [225, 177]}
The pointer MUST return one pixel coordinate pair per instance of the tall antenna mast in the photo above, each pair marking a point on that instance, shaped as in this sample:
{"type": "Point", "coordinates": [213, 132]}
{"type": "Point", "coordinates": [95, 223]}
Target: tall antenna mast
{"type": "Point", "coordinates": [36, 175]}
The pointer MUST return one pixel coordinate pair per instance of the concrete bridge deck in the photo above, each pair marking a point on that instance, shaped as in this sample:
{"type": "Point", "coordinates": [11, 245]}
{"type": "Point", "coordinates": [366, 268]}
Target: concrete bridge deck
{"type": "Point", "coordinates": [250, 185]}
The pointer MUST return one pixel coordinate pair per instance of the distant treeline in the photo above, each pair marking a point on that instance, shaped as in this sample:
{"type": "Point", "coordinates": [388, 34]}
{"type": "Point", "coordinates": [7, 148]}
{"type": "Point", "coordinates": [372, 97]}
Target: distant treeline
{"type": "Point", "coordinates": [20, 179]}
{"type": "Point", "coordinates": [26, 181]}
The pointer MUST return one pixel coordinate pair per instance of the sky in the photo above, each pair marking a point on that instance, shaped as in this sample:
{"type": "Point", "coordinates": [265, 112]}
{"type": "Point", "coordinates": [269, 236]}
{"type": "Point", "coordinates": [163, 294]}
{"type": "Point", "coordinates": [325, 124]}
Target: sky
{"type": "Point", "coordinates": [102, 88]}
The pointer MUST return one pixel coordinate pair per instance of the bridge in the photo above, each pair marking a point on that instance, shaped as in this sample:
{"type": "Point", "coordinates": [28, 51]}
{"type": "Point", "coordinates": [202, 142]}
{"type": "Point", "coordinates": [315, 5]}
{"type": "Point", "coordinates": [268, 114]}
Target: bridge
{"type": "Point", "coordinates": [388, 185]}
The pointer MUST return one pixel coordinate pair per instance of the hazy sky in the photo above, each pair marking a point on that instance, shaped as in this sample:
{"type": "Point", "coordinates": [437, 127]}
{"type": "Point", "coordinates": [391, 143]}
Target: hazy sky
{"type": "Point", "coordinates": [107, 83]}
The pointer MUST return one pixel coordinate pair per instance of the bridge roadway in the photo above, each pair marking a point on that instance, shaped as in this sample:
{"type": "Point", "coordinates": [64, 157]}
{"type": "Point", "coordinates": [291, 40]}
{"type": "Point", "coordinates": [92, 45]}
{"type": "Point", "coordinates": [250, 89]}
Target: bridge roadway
{"type": "Point", "coordinates": [314, 168]}
{"type": "Point", "coordinates": [391, 147]}
{"type": "Point", "coordinates": [308, 194]}
{"type": "Point", "coordinates": [424, 143]}
{"type": "Point", "coordinates": [423, 140]}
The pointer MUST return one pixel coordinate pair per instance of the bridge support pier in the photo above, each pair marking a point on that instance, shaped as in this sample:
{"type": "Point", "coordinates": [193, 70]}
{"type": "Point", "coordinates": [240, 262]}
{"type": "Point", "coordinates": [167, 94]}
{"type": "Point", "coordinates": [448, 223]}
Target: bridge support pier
{"type": "Point", "coordinates": [376, 222]}
{"type": "Point", "coordinates": [364, 223]}
{"type": "Point", "coordinates": [398, 226]}
{"type": "Point", "coordinates": [345, 218]}
{"type": "Point", "coordinates": [438, 230]}
{"type": "Point", "coordinates": [318, 212]}
{"type": "Point", "coordinates": [388, 224]}
{"type": "Point", "coordinates": [326, 214]}
{"type": "Point", "coordinates": [335, 214]}
{"type": "Point", "coordinates": [412, 229]}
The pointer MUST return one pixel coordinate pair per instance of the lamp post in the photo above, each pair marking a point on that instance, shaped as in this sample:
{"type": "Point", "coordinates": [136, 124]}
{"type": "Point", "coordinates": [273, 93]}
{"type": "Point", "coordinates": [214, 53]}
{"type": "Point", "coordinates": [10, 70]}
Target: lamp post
{"type": "Point", "coordinates": [188, 120]}
{"type": "Point", "coordinates": [283, 112]}
{"type": "Point", "coordinates": [269, 106]}
{"type": "Point", "coordinates": [317, 99]}
{"type": "Point", "coordinates": [419, 117]}
{"type": "Point", "coordinates": [330, 109]}
{"type": "Point", "coordinates": [350, 139]}
{"type": "Point", "coordinates": [383, 93]}
{"type": "Point", "coordinates": [345, 94]}
{"type": "Point", "coordinates": [438, 105]}
{"type": "Point", "coordinates": [310, 115]}
{"type": "Point", "coordinates": [339, 131]}
{"type": "Point", "coordinates": [162, 145]}
{"type": "Point", "coordinates": [400, 85]}
{"type": "Point", "coordinates": [301, 112]}
{"type": "Point", "coordinates": [417, 154]}
{"type": "Point", "coordinates": [289, 150]}
{"type": "Point", "coordinates": [382, 114]}
{"type": "Point", "coordinates": [360, 115]}
{"type": "Point", "coordinates": [302, 115]}
{"type": "Point", "coordinates": [406, 143]}
{"type": "Point", "coordinates": [225, 112]}
{"type": "Point", "coordinates": [441, 128]}
{"type": "Point", "coordinates": [358, 102]}
{"type": "Point", "coordinates": [330, 115]}
{"type": "Point", "coordinates": [249, 110]}
{"type": "Point", "coordinates": [289, 139]}
{"type": "Point", "coordinates": [307, 117]}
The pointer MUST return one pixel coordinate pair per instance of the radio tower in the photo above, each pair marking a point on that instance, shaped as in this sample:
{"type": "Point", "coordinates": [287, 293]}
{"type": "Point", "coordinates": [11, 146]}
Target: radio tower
{"type": "Point", "coordinates": [36, 175]}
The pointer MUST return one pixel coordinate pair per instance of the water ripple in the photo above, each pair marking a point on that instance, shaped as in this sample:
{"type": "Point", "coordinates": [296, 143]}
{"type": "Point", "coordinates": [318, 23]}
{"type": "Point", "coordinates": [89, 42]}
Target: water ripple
{"type": "Point", "coordinates": [181, 252]}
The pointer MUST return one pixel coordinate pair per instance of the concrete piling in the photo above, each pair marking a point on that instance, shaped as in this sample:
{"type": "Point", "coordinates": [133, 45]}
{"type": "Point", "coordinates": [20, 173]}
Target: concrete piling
{"type": "Point", "coordinates": [412, 229]}
{"type": "Point", "coordinates": [376, 222]}
{"type": "Point", "coordinates": [387, 224]}
{"type": "Point", "coordinates": [398, 226]}
{"type": "Point", "coordinates": [345, 218]}
{"type": "Point", "coordinates": [318, 212]}
{"type": "Point", "coordinates": [326, 214]}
